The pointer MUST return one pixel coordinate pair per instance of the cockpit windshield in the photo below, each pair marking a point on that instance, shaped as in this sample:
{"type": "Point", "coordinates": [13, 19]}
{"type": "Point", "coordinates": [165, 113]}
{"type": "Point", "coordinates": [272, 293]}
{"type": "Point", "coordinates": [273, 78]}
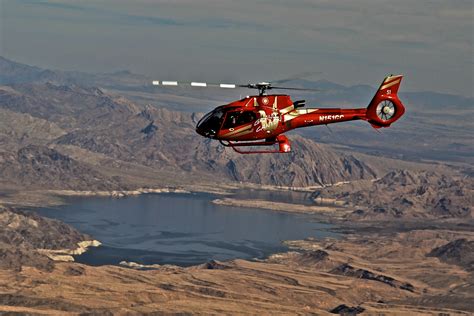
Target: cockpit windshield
{"type": "Point", "coordinates": [210, 124]}
{"type": "Point", "coordinates": [225, 117]}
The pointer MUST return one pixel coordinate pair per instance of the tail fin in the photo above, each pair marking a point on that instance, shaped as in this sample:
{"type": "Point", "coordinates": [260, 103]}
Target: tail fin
{"type": "Point", "coordinates": [385, 107]}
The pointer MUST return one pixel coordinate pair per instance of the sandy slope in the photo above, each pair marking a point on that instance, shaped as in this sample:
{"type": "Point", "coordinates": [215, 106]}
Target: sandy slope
{"type": "Point", "coordinates": [296, 282]}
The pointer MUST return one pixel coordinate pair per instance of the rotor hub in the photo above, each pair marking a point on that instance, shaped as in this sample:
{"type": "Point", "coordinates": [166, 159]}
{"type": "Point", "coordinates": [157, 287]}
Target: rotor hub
{"type": "Point", "coordinates": [385, 110]}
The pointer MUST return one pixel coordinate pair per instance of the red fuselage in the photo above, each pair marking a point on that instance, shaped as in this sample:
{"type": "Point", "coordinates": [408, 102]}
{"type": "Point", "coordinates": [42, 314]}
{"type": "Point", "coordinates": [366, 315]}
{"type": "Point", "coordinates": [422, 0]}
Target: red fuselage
{"type": "Point", "coordinates": [267, 116]}
{"type": "Point", "coordinates": [262, 120]}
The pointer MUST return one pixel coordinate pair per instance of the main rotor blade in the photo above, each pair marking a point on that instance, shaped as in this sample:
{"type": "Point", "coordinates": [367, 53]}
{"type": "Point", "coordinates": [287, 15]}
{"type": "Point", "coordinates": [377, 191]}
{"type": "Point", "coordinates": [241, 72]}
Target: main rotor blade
{"type": "Point", "coordinates": [261, 86]}
{"type": "Point", "coordinates": [198, 84]}
{"type": "Point", "coordinates": [299, 89]}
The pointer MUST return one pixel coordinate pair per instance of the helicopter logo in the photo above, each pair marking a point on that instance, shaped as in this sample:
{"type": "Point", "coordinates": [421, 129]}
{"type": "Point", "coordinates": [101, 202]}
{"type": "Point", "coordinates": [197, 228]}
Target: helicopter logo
{"type": "Point", "coordinates": [267, 123]}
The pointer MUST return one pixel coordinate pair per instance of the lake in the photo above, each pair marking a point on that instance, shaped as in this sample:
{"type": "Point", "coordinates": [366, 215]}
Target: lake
{"type": "Point", "coordinates": [183, 229]}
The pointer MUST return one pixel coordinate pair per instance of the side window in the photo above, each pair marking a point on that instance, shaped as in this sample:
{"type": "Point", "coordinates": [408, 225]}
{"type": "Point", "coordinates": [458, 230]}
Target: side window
{"type": "Point", "coordinates": [246, 117]}
{"type": "Point", "coordinates": [230, 120]}
{"type": "Point", "coordinates": [238, 118]}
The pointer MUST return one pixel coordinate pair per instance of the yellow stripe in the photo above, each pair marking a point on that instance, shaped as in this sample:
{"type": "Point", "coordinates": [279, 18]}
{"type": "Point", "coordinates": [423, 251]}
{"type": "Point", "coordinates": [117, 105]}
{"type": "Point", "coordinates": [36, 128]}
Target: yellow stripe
{"type": "Point", "coordinates": [287, 109]}
{"type": "Point", "coordinates": [241, 134]}
{"type": "Point", "coordinates": [293, 114]}
{"type": "Point", "coordinates": [390, 78]}
{"type": "Point", "coordinates": [242, 129]}
{"type": "Point", "coordinates": [390, 84]}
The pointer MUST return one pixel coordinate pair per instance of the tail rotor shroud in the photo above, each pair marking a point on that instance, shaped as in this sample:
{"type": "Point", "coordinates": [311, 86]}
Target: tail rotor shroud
{"type": "Point", "coordinates": [385, 110]}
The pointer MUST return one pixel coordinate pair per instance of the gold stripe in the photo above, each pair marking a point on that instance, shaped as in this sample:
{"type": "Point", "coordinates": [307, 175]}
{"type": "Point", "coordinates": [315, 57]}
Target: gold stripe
{"type": "Point", "coordinates": [238, 130]}
{"type": "Point", "coordinates": [390, 78]}
{"type": "Point", "coordinates": [294, 114]}
{"type": "Point", "coordinates": [287, 109]}
{"type": "Point", "coordinates": [388, 85]}
{"type": "Point", "coordinates": [241, 134]}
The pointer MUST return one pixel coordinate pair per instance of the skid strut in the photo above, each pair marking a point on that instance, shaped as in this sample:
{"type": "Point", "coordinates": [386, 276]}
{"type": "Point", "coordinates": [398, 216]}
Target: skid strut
{"type": "Point", "coordinates": [282, 141]}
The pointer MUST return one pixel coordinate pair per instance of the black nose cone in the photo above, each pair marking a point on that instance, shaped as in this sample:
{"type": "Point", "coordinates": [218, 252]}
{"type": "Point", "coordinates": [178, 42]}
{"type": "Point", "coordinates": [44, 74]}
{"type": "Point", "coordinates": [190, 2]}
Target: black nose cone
{"type": "Point", "coordinates": [210, 124]}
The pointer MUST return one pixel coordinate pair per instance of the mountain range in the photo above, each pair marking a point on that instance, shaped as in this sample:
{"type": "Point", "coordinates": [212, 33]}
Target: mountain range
{"type": "Point", "coordinates": [58, 133]}
{"type": "Point", "coordinates": [51, 129]}
{"type": "Point", "coordinates": [438, 123]}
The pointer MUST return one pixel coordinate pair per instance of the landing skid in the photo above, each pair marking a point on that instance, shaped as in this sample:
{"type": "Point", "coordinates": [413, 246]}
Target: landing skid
{"type": "Point", "coordinates": [281, 140]}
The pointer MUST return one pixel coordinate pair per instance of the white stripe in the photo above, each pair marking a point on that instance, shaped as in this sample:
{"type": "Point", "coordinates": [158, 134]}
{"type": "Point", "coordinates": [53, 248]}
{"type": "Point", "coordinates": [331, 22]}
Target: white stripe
{"type": "Point", "coordinates": [287, 109]}
{"type": "Point", "coordinates": [156, 83]}
{"type": "Point", "coordinates": [169, 83]}
{"type": "Point", "coordinates": [198, 84]}
{"type": "Point", "coordinates": [227, 86]}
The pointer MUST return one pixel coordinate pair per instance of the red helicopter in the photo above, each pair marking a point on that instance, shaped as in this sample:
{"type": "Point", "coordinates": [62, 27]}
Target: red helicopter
{"type": "Point", "coordinates": [262, 119]}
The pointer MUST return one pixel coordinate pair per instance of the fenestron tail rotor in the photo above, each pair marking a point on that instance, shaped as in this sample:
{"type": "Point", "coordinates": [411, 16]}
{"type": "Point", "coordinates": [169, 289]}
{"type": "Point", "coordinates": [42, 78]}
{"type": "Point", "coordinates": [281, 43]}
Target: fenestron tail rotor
{"type": "Point", "coordinates": [385, 110]}
{"type": "Point", "coordinates": [262, 87]}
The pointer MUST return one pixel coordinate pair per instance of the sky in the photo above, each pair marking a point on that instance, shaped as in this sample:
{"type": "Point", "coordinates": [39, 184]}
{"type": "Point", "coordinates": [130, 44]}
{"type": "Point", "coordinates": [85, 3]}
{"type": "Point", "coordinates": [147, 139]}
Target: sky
{"type": "Point", "coordinates": [345, 41]}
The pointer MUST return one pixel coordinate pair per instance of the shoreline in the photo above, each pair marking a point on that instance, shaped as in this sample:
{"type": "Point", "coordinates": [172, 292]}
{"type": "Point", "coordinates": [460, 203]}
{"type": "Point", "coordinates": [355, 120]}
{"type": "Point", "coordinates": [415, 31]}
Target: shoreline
{"type": "Point", "coordinates": [67, 255]}
{"type": "Point", "coordinates": [37, 197]}
{"type": "Point", "coordinates": [333, 211]}
{"type": "Point", "coordinates": [118, 193]}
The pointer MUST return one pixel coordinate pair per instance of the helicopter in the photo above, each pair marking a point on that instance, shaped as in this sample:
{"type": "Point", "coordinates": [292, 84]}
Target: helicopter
{"type": "Point", "coordinates": [260, 121]}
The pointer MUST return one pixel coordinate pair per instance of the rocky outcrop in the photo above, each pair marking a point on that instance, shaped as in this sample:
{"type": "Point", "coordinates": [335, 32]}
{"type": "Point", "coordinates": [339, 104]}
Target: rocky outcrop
{"type": "Point", "coordinates": [347, 310]}
{"type": "Point", "coordinates": [44, 167]}
{"type": "Point", "coordinates": [348, 270]}
{"type": "Point", "coordinates": [406, 194]}
{"type": "Point", "coordinates": [26, 236]}
{"type": "Point", "coordinates": [67, 254]}
{"type": "Point", "coordinates": [459, 252]}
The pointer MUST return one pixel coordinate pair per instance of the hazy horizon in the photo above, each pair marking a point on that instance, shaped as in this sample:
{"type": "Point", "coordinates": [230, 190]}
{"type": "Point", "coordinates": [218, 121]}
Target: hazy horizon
{"type": "Point", "coordinates": [430, 42]}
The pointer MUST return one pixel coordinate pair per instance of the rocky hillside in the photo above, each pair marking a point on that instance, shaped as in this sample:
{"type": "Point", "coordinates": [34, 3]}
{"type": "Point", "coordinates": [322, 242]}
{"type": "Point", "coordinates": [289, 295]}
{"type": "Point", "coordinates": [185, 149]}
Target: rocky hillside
{"type": "Point", "coordinates": [165, 139]}
{"type": "Point", "coordinates": [459, 252]}
{"type": "Point", "coordinates": [377, 274]}
{"type": "Point", "coordinates": [65, 118]}
{"type": "Point", "coordinates": [13, 72]}
{"type": "Point", "coordinates": [23, 233]}
{"type": "Point", "coordinates": [43, 167]}
{"type": "Point", "coordinates": [402, 194]}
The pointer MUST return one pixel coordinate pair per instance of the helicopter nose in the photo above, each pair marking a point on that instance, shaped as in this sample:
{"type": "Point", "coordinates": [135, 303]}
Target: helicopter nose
{"type": "Point", "coordinates": [200, 131]}
{"type": "Point", "coordinates": [200, 128]}
{"type": "Point", "coordinates": [203, 128]}
{"type": "Point", "coordinates": [206, 132]}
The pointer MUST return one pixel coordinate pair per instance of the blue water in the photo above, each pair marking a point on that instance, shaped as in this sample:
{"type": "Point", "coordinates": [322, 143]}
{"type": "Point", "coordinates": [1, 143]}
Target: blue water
{"type": "Point", "coordinates": [181, 229]}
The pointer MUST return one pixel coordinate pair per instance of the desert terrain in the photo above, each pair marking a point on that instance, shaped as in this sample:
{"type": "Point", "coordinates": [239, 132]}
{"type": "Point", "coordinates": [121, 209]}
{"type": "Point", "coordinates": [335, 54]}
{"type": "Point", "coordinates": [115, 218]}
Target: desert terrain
{"type": "Point", "coordinates": [407, 222]}
{"type": "Point", "coordinates": [420, 271]}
